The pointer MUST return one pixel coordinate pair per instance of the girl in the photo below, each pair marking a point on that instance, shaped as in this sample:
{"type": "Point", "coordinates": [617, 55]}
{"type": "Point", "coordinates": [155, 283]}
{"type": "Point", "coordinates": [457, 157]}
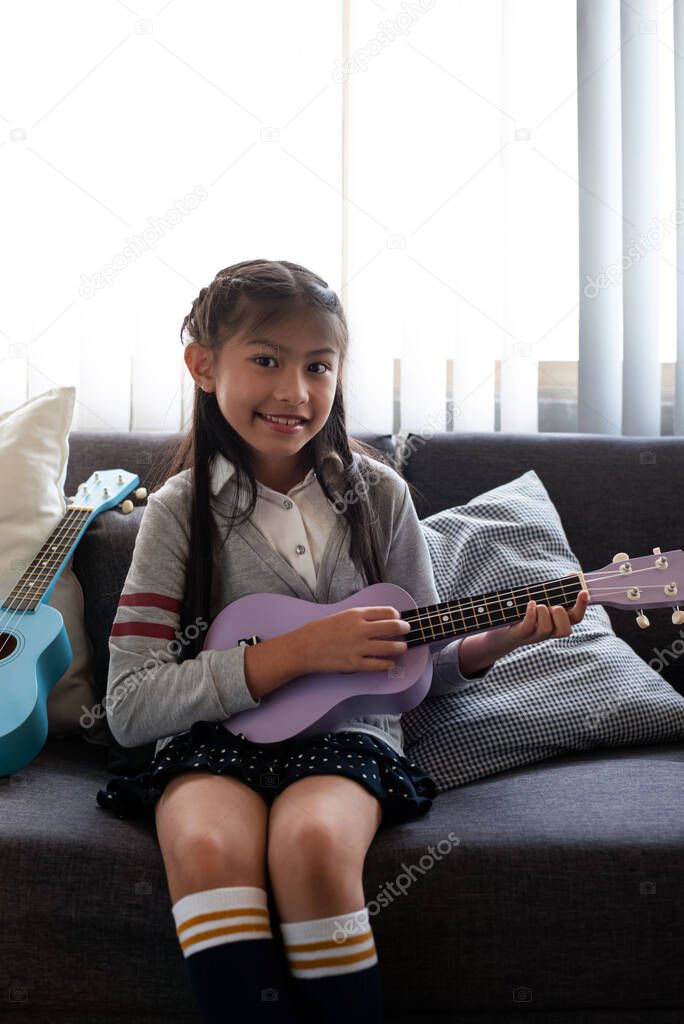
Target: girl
{"type": "Point", "coordinates": [252, 505]}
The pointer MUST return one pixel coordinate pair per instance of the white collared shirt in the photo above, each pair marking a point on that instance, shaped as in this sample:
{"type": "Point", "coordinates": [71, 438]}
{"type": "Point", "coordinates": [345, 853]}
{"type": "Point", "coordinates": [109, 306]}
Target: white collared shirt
{"type": "Point", "coordinates": [301, 535]}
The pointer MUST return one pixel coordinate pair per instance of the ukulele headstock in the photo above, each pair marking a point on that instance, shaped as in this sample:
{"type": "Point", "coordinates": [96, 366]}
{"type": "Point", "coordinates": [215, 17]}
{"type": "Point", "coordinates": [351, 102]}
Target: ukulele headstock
{"type": "Point", "coordinates": [105, 489]}
{"type": "Point", "coordinates": [651, 581]}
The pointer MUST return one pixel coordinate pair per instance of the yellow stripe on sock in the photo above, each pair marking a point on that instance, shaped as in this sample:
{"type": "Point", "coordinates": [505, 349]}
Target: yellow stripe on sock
{"type": "Point", "coordinates": [303, 964]}
{"type": "Point", "coordinates": [337, 961]}
{"type": "Point", "coordinates": [215, 932]}
{"type": "Point", "coordinates": [216, 915]}
{"type": "Point", "coordinates": [260, 924]}
{"type": "Point", "coordinates": [310, 947]}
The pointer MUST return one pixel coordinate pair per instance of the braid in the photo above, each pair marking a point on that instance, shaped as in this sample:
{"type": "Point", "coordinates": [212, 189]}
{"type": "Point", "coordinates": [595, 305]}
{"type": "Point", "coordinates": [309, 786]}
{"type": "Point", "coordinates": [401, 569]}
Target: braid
{"type": "Point", "coordinates": [189, 328]}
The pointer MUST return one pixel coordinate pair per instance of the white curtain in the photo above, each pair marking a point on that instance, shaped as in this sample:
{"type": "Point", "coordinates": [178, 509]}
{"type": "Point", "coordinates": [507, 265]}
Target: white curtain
{"type": "Point", "coordinates": [628, 213]}
{"type": "Point", "coordinates": [425, 157]}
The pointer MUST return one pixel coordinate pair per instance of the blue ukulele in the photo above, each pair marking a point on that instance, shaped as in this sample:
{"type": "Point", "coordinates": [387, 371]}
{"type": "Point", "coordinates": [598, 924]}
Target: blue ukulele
{"type": "Point", "coordinates": [34, 647]}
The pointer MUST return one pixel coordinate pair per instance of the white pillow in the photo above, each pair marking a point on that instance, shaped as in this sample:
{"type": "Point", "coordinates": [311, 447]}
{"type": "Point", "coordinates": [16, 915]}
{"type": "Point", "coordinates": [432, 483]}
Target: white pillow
{"type": "Point", "coordinates": [34, 450]}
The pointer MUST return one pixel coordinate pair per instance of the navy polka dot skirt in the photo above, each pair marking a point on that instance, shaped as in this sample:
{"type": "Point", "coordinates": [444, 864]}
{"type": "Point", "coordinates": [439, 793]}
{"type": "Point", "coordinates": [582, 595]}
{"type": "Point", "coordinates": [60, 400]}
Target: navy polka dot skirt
{"type": "Point", "coordinates": [403, 789]}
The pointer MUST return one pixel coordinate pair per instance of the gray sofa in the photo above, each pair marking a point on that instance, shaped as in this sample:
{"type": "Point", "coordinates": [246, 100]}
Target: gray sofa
{"type": "Point", "coordinates": [563, 901]}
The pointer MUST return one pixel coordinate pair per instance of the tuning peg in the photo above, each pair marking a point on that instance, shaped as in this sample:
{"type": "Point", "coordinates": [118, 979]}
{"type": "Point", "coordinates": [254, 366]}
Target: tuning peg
{"type": "Point", "coordinates": [656, 551]}
{"type": "Point", "coordinates": [642, 621]}
{"type": "Point", "coordinates": [141, 493]}
{"type": "Point", "coordinates": [126, 506]}
{"type": "Point", "coordinates": [622, 556]}
{"type": "Point", "coordinates": [677, 616]}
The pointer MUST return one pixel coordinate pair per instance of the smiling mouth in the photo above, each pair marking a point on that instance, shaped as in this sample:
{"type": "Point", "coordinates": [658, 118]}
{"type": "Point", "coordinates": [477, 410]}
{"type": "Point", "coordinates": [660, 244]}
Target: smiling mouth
{"type": "Point", "coordinates": [277, 419]}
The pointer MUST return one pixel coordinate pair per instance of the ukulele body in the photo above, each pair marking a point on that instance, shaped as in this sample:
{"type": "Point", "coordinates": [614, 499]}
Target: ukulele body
{"type": "Point", "coordinates": [38, 653]}
{"type": "Point", "coordinates": [318, 701]}
{"type": "Point", "coordinates": [35, 651]}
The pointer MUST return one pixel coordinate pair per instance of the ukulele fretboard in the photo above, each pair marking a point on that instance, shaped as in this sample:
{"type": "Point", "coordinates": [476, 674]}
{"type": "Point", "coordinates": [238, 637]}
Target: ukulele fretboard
{"type": "Point", "coordinates": [470, 614]}
{"type": "Point", "coordinates": [29, 590]}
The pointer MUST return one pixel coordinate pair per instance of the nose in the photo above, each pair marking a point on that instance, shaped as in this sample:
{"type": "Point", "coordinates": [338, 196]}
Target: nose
{"type": "Point", "coordinates": [292, 387]}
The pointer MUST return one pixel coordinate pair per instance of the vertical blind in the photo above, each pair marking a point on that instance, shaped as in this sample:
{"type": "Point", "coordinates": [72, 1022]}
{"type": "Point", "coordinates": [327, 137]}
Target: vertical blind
{"type": "Point", "coordinates": [458, 172]}
{"type": "Point", "coordinates": [623, 181]}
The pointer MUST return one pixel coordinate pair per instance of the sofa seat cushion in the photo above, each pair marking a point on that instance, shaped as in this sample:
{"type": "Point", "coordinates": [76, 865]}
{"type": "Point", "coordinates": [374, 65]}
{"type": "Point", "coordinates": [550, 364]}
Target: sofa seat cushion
{"type": "Point", "coordinates": [566, 883]}
{"type": "Point", "coordinates": [550, 871]}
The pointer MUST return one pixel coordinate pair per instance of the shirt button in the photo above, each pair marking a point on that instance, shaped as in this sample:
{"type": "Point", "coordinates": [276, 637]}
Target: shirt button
{"type": "Point", "coordinates": [287, 503]}
{"type": "Point", "coordinates": [300, 549]}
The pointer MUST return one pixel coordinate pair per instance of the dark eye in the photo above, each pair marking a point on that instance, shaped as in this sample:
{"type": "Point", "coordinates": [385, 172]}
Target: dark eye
{"type": "Point", "coordinates": [273, 357]}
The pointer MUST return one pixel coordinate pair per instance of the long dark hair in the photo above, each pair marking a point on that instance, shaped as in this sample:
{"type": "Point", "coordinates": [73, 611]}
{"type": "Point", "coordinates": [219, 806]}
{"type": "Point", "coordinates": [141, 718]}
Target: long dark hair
{"type": "Point", "coordinates": [254, 293]}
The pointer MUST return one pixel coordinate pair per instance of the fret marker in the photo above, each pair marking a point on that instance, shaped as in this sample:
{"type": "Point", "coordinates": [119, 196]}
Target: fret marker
{"type": "Point", "coordinates": [445, 618]}
{"type": "Point", "coordinates": [509, 604]}
{"type": "Point", "coordinates": [480, 609]}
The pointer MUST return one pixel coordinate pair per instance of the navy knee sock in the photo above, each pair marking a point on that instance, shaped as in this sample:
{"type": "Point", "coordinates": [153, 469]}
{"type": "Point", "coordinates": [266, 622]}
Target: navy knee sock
{"type": "Point", "coordinates": [235, 969]}
{"type": "Point", "coordinates": [335, 969]}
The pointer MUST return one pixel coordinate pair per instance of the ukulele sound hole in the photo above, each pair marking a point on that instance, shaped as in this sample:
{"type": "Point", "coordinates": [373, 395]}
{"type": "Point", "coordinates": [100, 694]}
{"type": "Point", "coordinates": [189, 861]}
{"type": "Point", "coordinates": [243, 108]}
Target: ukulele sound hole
{"type": "Point", "coordinates": [8, 645]}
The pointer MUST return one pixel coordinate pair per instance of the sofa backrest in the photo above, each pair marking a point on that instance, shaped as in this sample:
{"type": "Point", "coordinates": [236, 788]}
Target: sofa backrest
{"type": "Point", "coordinates": [612, 493]}
{"type": "Point", "coordinates": [142, 453]}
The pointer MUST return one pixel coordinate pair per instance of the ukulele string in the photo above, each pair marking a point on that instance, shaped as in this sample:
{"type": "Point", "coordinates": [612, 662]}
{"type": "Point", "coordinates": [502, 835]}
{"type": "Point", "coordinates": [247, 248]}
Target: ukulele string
{"type": "Point", "coordinates": [558, 584]}
{"type": "Point", "coordinates": [468, 617]}
{"type": "Point", "coordinates": [616, 590]}
{"type": "Point", "coordinates": [64, 533]}
{"type": "Point", "coordinates": [63, 537]}
{"type": "Point", "coordinates": [602, 576]}
{"type": "Point", "coordinates": [552, 588]}
{"type": "Point", "coordinates": [621, 575]}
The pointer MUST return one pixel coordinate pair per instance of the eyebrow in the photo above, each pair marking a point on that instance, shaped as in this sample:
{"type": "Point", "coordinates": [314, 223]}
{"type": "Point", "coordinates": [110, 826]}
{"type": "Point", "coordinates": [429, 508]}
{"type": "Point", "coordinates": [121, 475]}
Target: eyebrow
{"type": "Point", "coordinates": [284, 348]}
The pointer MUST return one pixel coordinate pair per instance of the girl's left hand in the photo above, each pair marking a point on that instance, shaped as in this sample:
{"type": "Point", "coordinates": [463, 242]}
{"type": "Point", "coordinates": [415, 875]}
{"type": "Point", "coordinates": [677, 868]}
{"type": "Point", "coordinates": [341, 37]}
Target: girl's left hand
{"type": "Point", "coordinates": [544, 623]}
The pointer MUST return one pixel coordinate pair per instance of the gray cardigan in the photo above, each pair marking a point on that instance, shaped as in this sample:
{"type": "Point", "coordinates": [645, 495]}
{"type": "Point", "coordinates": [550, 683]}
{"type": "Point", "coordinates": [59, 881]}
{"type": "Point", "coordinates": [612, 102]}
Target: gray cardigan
{"type": "Point", "coordinates": [152, 697]}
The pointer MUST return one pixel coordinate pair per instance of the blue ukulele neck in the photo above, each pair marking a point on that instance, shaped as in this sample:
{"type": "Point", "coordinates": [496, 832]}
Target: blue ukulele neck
{"type": "Point", "coordinates": [103, 490]}
{"type": "Point", "coordinates": [39, 579]}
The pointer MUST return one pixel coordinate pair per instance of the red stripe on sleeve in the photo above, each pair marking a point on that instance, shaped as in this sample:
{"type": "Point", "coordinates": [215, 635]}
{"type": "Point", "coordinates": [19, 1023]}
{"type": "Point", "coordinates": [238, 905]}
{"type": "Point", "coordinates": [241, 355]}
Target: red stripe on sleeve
{"type": "Point", "coordinates": [154, 629]}
{"type": "Point", "coordinates": [169, 604]}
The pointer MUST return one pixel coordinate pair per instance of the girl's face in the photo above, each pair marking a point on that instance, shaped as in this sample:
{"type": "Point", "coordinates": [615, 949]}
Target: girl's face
{"type": "Point", "coordinates": [287, 370]}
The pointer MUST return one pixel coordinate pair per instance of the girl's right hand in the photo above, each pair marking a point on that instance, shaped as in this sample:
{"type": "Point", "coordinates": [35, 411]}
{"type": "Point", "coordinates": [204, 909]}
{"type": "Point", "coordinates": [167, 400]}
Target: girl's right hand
{"type": "Point", "coordinates": [347, 641]}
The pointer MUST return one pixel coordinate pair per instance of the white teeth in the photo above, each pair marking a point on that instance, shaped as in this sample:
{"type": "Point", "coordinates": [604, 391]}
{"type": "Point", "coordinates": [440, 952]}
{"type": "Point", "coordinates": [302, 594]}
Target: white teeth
{"type": "Point", "coordinates": [282, 419]}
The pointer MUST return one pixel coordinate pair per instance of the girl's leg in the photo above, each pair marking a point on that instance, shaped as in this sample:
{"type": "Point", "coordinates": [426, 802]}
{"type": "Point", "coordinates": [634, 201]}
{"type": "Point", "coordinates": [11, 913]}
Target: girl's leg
{"type": "Point", "coordinates": [320, 829]}
{"type": "Point", "coordinates": [212, 834]}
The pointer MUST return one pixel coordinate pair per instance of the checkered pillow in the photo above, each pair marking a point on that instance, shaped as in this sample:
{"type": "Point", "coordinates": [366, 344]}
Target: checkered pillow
{"type": "Point", "coordinates": [573, 693]}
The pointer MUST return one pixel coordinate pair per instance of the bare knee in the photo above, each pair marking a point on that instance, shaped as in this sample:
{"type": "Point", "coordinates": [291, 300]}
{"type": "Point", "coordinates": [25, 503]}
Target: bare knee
{"type": "Point", "coordinates": [319, 833]}
{"type": "Point", "coordinates": [211, 835]}
{"type": "Point", "coordinates": [311, 875]}
{"type": "Point", "coordinates": [307, 851]}
{"type": "Point", "coordinates": [205, 862]}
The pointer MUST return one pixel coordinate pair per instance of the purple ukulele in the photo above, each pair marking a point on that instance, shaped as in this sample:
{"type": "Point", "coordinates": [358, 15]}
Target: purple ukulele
{"type": "Point", "coordinates": [319, 701]}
